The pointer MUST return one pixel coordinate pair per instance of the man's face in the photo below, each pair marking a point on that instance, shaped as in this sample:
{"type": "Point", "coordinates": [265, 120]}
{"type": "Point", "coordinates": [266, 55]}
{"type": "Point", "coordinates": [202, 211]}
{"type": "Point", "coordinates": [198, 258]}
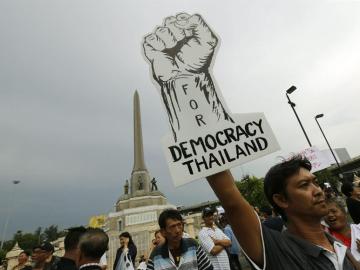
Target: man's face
{"type": "Point", "coordinates": [39, 255]}
{"type": "Point", "coordinates": [209, 219]}
{"type": "Point", "coordinates": [336, 218]}
{"type": "Point", "coordinates": [304, 196]}
{"type": "Point", "coordinates": [22, 258]}
{"type": "Point", "coordinates": [173, 230]}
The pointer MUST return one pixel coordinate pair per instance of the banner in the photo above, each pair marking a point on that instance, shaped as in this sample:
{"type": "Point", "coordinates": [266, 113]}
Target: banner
{"type": "Point", "coordinates": [205, 137]}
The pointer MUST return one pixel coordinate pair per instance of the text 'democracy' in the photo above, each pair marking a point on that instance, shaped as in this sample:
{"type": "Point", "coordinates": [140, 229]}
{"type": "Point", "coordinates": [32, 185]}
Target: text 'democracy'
{"type": "Point", "coordinates": [205, 136]}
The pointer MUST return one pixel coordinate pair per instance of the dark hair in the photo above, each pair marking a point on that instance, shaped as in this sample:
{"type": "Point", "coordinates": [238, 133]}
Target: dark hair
{"type": "Point", "coordinates": [347, 188]}
{"type": "Point", "coordinates": [266, 209]}
{"type": "Point", "coordinates": [93, 243]}
{"type": "Point", "coordinates": [169, 213]}
{"type": "Point", "coordinates": [35, 247]}
{"type": "Point", "coordinates": [71, 240]}
{"type": "Point", "coordinates": [127, 235]}
{"type": "Point", "coordinates": [276, 179]}
{"type": "Point", "coordinates": [26, 252]}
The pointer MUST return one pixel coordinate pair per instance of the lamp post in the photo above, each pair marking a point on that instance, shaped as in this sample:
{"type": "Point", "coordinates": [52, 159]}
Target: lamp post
{"type": "Point", "coordinates": [15, 182]}
{"type": "Point", "coordinates": [332, 152]}
{"type": "Point", "coordinates": [292, 105]}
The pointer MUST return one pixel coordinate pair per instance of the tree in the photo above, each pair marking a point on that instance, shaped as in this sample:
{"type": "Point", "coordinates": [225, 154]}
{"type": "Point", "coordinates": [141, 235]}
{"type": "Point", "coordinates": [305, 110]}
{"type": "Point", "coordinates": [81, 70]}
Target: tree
{"type": "Point", "coordinates": [39, 235]}
{"type": "Point", "coordinates": [326, 176]}
{"type": "Point", "coordinates": [2, 255]}
{"type": "Point", "coordinates": [28, 241]}
{"type": "Point", "coordinates": [52, 233]}
{"type": "Point", "coordinates": [252, 188]}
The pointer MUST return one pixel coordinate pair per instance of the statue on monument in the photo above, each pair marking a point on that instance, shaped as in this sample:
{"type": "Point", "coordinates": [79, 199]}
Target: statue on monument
{"type": "Point", "coordinates": [153, 185]}
{"type": "Point", "coordinates": [126, 187]}
{"type": "Point", "coordinates": [140, 184]}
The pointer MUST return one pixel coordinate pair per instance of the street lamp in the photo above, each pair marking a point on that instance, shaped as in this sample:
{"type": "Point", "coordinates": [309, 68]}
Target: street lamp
{"type": "Point", "coordinates": [15, 182]}
{"type": "Point", "coordinates": [292, 105]}
{"type": "Point", "coordinates": [316, 119]}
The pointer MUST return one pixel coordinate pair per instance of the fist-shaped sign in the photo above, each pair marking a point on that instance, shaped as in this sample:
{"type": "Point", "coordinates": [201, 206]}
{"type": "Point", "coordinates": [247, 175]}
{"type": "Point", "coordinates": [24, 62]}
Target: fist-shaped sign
{"type": "Point", "coordinates": [180, 54]}
{"type": "Point", "coordinates": [185, 44]}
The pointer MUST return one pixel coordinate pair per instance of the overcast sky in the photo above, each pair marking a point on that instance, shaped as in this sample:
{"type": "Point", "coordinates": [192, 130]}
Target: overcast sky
{"type": "Point", "coordinates": [68, 71]}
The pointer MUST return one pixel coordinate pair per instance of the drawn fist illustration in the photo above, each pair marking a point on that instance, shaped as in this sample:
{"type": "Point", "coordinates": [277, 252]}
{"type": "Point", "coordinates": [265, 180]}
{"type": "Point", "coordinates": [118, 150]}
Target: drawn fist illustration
{"type": "Point", "coordinates": [180, 53]}
{"type": "Point", "coordinates": [184, 44]}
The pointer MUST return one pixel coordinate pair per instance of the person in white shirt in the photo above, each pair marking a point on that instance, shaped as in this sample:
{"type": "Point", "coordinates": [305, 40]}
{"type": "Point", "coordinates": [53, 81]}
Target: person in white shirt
{"type": "Point", "coordinates": [214, 241]}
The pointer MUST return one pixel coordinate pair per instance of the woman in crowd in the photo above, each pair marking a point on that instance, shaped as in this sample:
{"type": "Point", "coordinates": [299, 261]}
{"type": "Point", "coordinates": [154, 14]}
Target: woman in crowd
{"type": "Point", "coordinates": [340, 228]}
{"type": "Point", "coordinates": [158, 240]}
{"type": "Point", "coordinates": [126, 252]}
{"type": "Point", "coordinates": [23, 261]}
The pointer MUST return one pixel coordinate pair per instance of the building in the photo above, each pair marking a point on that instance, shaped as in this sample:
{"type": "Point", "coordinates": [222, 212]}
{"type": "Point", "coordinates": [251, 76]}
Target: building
{"type": "Point", "coordinates": [341, 154]}
{"type": "Point", "coordinates": [137, 209]}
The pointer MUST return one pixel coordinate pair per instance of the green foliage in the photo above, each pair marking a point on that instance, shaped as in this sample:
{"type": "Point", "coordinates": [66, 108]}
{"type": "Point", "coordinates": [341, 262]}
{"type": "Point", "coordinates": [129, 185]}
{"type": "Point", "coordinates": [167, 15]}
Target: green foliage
{"type": "Point", "coordinates": [52, 233]}
{"type": "Point", "coordinates": [27, 241]}
{"type": "Point", "coordinates": [252, 188]}
{"type": "Point", "coordinates": [2, 255]}
{"type": "Point", "coordinates": [326, 176]}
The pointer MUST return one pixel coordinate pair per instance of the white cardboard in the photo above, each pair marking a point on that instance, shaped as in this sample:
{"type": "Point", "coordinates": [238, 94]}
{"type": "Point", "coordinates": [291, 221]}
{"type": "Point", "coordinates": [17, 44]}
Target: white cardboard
{"type": "Point", "coordinates": [181, 54]}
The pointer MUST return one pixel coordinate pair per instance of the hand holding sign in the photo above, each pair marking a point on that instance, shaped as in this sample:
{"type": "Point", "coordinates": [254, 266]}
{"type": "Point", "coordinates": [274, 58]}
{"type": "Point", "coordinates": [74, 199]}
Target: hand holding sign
{"type": "Point", "coordinates": [180, 53]}
{"type": "Point", "coordinates": [206, 137]}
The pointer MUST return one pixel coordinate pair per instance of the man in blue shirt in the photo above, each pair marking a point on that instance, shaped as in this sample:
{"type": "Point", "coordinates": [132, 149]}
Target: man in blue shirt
{"type": "Point", "coordinates": [234, 249]}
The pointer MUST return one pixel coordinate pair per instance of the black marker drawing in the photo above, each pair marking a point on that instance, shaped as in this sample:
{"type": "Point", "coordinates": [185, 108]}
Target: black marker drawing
{"type": "Point", "coordinates": [180, 53]}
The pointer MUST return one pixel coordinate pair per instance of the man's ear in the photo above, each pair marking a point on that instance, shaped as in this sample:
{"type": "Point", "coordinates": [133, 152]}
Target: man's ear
{"type": "Point", "coordinates": [280, 200]}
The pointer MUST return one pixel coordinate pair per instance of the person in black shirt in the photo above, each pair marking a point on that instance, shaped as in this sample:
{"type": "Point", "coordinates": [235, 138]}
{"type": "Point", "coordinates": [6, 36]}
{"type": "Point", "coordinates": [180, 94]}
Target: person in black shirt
{"type": "Point", "coordinates": [92, 245]}
{"type": "Point", "coordinates": [271, 221]}
{"type": "Point", "coordinates": [352, 192]}
{"type": "Point", "coordinates": [71, 241]}
{"type": "Point", "coordinates": [295, 194]}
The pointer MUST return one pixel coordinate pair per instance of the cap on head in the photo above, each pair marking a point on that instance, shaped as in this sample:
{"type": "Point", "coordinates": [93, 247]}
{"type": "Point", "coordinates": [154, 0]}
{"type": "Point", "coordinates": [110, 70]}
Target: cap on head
{"type": "Point", "coordinates": [47, 246]}
{"type": "Point", "coordinates": [208, 211]}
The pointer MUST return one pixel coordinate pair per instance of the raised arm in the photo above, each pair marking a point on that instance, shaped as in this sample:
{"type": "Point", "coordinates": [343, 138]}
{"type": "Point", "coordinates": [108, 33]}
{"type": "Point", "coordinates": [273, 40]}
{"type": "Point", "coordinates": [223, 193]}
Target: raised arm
{"type": "Point", "coordinates": [240, 213]}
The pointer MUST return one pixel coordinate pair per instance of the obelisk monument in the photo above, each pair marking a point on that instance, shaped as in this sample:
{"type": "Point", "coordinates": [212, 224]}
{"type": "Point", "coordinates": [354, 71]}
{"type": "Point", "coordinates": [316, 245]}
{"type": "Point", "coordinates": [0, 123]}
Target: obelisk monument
{"type": "Point", "coordinates": [140, 178]}
{"type": "Point", "coordinates": [139, 206]}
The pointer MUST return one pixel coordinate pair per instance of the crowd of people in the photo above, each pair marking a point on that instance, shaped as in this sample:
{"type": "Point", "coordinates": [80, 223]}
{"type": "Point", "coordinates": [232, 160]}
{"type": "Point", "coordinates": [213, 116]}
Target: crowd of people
{"type": "Point", "coordinates": [84, 249]}
{"type": "Point", "coordinates": [305, 228]}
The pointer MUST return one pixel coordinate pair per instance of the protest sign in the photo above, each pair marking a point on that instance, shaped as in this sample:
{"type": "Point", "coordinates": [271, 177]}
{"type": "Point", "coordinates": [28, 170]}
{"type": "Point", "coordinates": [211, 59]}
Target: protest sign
{"type": "Point", "coordinates": [206, 137]}
{"type": "Point", "coordinates": [318, 159]}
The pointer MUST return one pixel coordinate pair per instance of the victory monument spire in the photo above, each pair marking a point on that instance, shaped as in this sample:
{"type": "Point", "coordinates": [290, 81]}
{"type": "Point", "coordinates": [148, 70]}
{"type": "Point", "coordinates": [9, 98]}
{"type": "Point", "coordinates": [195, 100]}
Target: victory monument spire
{"type": "Point", "coordinates": [140, 184]}
{"type": "Point", "coordinates": [140, 178]}
{"type": "Point", "coordinates": [139, 206]}
{"type": "Point", "coordinates": [139, 164]}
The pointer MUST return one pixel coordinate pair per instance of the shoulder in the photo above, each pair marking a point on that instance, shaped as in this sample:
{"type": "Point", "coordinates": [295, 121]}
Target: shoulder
{"type": "Point", "coordinates": [157, 251]}
{"type": "Point", "coordinates": [190, 242]}
{"type": "Point", "coordinates": [218, 230]}
{"type": "Point", "coordinates": [351, 201]}
{"type": "Point", "coordinates": [203, 231]}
